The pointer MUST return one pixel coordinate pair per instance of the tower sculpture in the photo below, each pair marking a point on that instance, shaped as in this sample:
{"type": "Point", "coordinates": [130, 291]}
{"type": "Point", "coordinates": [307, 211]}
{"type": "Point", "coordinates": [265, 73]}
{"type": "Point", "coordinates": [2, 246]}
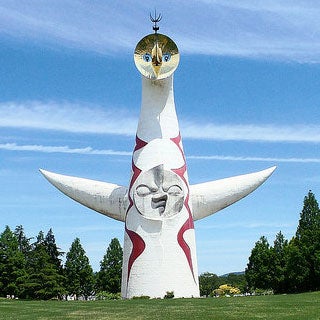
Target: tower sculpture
{"type": "Point", "coordinates": [159, 207]}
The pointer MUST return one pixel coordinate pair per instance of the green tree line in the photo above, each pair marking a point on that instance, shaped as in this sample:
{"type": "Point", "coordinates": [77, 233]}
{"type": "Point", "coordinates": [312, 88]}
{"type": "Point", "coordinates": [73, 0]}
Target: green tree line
{"type": "Point", "coordinates": [286, 267]}
{"type": "Point", "coordinates": [289, 266]}
{"type": "Point", "coordinates": [33, 269]}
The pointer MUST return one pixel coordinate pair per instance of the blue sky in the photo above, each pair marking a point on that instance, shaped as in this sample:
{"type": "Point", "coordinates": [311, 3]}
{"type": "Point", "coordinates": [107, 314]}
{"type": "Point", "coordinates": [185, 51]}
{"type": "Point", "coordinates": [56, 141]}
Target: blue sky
{"type": "Point", "coordinates": [247, 98]}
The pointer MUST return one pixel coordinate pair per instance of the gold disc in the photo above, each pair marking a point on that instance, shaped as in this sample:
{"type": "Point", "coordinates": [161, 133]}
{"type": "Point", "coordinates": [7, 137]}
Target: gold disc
{"type": "Point", "coordinates": [156, 56]}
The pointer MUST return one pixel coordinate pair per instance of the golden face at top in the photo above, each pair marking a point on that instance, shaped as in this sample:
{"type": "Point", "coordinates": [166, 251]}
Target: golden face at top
{"type": "Point", "coordinates": [156, 56]}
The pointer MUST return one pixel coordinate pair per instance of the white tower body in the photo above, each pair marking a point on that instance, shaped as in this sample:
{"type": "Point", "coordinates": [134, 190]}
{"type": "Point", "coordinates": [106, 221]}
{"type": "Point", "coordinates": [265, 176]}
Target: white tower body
{"type": "Point", "coordinates": [159, 243]}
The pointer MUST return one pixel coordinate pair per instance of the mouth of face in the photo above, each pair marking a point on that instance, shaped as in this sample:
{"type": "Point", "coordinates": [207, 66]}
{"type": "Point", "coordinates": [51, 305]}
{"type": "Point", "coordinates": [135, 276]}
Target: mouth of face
{"type": "Point", "coordinates": [159, 203]}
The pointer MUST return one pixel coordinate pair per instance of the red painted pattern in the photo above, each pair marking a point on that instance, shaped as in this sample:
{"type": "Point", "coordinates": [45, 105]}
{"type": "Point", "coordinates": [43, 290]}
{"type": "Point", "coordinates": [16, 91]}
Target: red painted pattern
{"type": "Point", "coordinates": [135, 174]}
{"type": "Point", "coordinates": [183, 244]}
{"type": "Point", "coordinates": [138, 244]}
{"type": "Point", "coordinates": [138, 247]}
{"type": "Point", "coordinates": [186, 204]}
{"type": "Point", "coordinates": [139, 144]}
{"type": "Point", "coordinates": [180, 172]}
{"type": "Point", "coordinates": [189, 222]}
{"type": "Point", "coordinates": [177, 141]}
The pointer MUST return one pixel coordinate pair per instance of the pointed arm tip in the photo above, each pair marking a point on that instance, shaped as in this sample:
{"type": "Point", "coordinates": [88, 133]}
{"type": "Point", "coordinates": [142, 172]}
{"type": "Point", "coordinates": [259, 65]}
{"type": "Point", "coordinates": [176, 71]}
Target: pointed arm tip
{"type": "Point", "coordinates": [210, 197]}
{"type": "Point", "coordinates": [106, 198]}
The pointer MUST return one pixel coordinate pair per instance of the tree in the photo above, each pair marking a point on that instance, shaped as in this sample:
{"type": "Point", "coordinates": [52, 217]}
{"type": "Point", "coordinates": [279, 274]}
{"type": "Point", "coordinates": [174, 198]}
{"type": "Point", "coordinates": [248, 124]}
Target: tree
{"type": "Point", "coordinates": [53, 250]}
{"type": "Point", "coordinates": [309, 217]}
{"type": "Point", "coordinates": [296, 269]}
{"type": "Point", "coordinates": [12, 264]}
{"type": "Point", "coordinates": [207, 283]}
{"type": "Point", "coordinates": [308, 242]}
{"type": "Point", "coordinates": [235, 280]}
{"type": "Point", "coordinates": [292, 266]}
{"type": "Point", "coordinates": [78, 272]}
{"type": "Point", "coordinates": [44, 279]}
{"type": "Point", "coordinates": [23, 242]}
{"type": "Point", "coordinates": [258, 273]}
{"type": "Point", "coordinates": [279, 257]}
{"type": "Point", "coordinates": [109, 276]}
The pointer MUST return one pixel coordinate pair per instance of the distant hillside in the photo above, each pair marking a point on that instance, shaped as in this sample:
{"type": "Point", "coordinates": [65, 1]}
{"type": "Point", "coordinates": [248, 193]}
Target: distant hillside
{"type": "Point", "coordinates": [239, 273]}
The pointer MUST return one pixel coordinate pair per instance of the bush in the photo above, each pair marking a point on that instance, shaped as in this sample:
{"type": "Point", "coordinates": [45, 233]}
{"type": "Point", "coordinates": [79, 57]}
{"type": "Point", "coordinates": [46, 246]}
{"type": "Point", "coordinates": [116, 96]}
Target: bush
{"type": "Point", "coordinates": [225, 289]}
{"type": "Point", "coordinates": [262, 292]}
{"type": "Point", "coordinates": [169, 295]}
{"type": "Point", "coordinates": [141, 297]}
{"type": "Point", "coordinates": [103, 295]}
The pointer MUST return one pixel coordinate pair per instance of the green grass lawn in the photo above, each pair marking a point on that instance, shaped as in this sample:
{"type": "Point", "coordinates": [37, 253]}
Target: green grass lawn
{"type": "Point", "coordinates": [299, 306]}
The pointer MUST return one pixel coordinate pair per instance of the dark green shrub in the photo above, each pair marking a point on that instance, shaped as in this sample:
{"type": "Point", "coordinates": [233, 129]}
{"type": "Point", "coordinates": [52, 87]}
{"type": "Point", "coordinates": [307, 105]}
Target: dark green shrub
{"type": "Point", "coordinates": [169, 295]}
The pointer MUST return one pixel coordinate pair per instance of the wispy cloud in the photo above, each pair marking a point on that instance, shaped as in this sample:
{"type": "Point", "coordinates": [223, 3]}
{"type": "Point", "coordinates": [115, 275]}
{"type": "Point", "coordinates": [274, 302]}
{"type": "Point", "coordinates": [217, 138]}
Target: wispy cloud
{"type": "Point", "coordinates": [262, 159]}
{"type": "Point", "coordinates": [285, 30]}
{"type": "Point", "coordinates": [76, 118]}
{"type": "Point", "coordinates": [269, 133]}
{"type": "Point", "coordinates": [68, 117]}
{"type": "Point", "coordinates": [92, 151]}
{"type": "Point", "coordinates": [61, 149]}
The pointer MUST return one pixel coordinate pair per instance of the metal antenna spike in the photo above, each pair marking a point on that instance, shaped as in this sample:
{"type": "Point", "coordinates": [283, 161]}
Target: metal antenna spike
{"type": "Point", "coordinates": [155, 19]}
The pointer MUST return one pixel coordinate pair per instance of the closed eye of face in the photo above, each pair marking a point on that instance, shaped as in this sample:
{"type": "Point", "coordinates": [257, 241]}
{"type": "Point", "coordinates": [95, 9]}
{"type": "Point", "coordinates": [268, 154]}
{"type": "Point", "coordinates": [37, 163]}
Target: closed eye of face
{"type": "Point", "coordinates": [174, 190]}
{"type": "Point", "coordinates": [143, 190]}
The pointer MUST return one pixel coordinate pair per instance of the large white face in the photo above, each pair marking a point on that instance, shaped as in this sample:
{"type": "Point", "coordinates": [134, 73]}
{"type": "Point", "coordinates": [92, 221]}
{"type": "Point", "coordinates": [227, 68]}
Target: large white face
{"type": "Point", "coordinates": [158, 193]}
{"type": "Point", "coordinates": [156, 56]}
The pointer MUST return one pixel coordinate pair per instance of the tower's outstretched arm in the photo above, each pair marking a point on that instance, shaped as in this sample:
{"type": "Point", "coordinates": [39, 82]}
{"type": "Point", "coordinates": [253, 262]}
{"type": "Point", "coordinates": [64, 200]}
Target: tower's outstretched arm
{"type": "Point", "coordinates": [106, 198]}
{"type": "Point", "coordinates": [210, 197]}
{"type": "Point", "coordinates": [111, 199]}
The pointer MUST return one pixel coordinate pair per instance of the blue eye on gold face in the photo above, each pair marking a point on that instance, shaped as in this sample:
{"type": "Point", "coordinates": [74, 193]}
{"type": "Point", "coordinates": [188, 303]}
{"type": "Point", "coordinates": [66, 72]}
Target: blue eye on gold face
{"type": "Point", "coordinates": [166, 56]}
{"type": "Point", "coordinates": [156, 56]}
{"type": "Point", "coordinates": [147, 57]}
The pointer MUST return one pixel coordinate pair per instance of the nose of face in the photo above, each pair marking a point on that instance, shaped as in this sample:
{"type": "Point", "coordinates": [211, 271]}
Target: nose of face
{"type": "Point", "coordinates": [159, 197]}
{"type": "Point", "coordinates": [156, 58]}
